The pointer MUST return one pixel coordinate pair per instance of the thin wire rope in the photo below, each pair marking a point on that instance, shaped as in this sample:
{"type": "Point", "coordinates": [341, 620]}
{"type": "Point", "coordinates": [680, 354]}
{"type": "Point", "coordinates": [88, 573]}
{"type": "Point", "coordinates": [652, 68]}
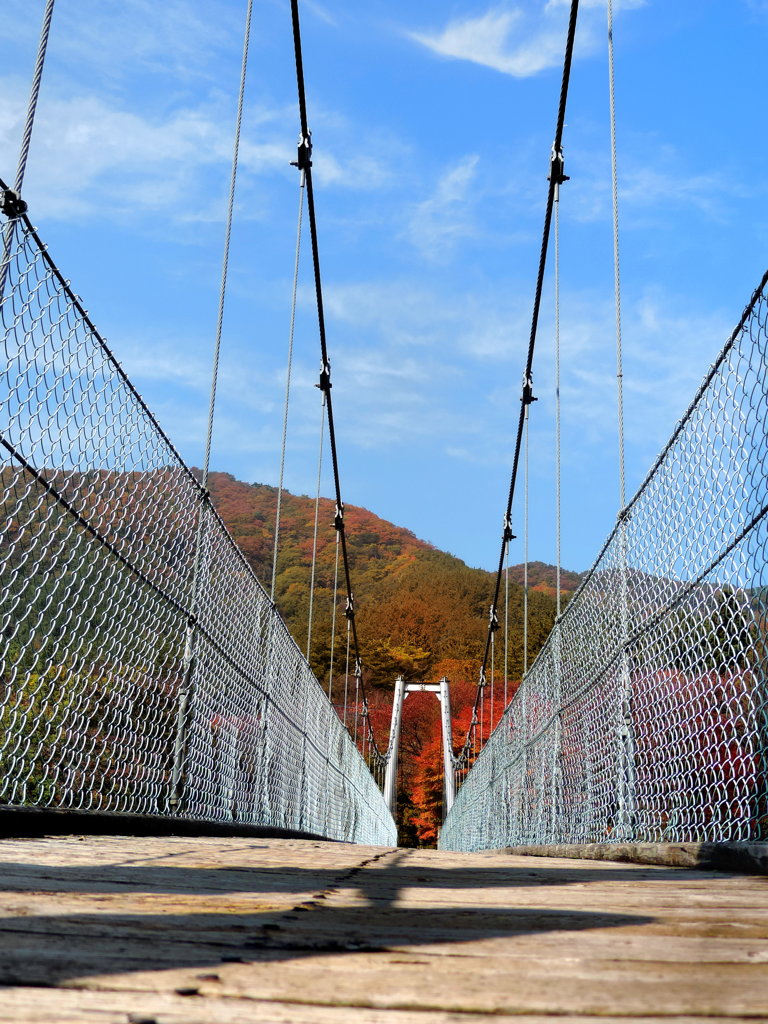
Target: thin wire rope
{"type": "Point", "coordinates": [356, 706]}
{"type": "Point", "coordinates": [333, 620]}
{"type": "Point", "coordinates": [26, 139]}
{"type": "Point", "coordinates": [291, 334]}
{"type": "Point", "coordinates": [557, 396]}
{"type": "Point", "coordinates": [525, 548]}
{"type": "Point", "coordinates": [346, 673]}
{"type": "Point", "coordinates": [227, 241]}
{"type": "Point", "coordinates": [314, 532]}
{"type": "Point", "coordinates": [493, 679]}
{"type": "Point", "coordinates": [186, 694]}
{"type": "Point", "coordinates": [34, 94]}
{"type": "Point", "coordinates": [506, 628]}
{"type": "Point", "coordinates": [616, 259]}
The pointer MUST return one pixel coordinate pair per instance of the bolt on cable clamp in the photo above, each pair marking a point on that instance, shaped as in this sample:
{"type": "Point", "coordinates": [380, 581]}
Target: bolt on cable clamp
{"type": "Point", "coordinates": [304, 158]}
{"type": "Point", "coordinates": [557, 167]}
{"type": "Point", "coordinates": [528, 395]}
{"type": "Point", "coordinates": [507, 536]}
{"type": "Point", "coordinates": [11, 204]}
{"type": "Point", "coordinates": [325, 377]}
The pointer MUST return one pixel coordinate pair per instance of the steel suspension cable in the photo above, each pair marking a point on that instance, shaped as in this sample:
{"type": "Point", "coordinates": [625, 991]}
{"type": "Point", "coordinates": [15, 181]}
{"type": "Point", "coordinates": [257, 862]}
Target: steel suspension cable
{"type": "Point", "coordinates": [304, 162]}
{"type": "Point", "coordinates": [291, 333]}
{"type": "Point", "coordinates": [556, 176]}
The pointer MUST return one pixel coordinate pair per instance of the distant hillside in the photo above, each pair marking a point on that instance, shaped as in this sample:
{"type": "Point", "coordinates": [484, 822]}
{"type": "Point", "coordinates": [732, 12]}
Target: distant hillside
{"type": "Point", "coordinates": [542, 576]}
{"type": "Point", "coordinates": [419, 611]}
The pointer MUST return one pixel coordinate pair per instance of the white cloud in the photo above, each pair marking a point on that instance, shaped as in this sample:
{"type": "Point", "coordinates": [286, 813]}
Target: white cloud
{"type": "Point", "coordinates": [440, 221]}
{"type": "Point", "coordinates": [495, 40]}
{"type": "Point", "coordinates": [520, 40]}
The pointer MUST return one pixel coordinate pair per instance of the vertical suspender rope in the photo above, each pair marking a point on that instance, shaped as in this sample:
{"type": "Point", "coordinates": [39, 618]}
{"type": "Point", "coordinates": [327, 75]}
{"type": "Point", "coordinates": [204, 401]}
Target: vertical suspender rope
{"type": "Point", "coordinates": [625, 824]}
{"type": "Point", "coordinates": [616, 261]}
{"type": "Point", "coordinates": [227, 240]}
{"type": "Point", "coordinates": [17, 203]}
{"type": "Point", "coordinates": [333, 620]}
{"type": "Point", "coordinates": [33, 96]}
{"type": "Point", "coordinates": [506, 627]}
{"type": "Point", "coordinates": [188, 660]}
{"type": "Point", "coordinates": [557, 394]}
{"type": "Point", "coordinates": [314, 532]}
{"type": "Point", "coordinates": [525, 548]}
{"type": "Point", "coordinates": [288, 387]}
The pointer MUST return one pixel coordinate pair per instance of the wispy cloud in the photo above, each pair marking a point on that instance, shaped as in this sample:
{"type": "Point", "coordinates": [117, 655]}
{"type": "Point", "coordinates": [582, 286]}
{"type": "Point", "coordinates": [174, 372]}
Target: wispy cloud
{"type": "Point", "coordinates": [519, 40]}
{"type": "Point", "coordinates": [496, 40]}
{"type": "Point", "coordinates": [437, 223]}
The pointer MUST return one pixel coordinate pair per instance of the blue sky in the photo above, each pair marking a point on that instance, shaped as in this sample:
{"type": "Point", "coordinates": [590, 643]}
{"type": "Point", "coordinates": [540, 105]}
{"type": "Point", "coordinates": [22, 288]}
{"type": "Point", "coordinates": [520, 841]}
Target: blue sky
{"type": "Point", "coordinates": [432, 126]}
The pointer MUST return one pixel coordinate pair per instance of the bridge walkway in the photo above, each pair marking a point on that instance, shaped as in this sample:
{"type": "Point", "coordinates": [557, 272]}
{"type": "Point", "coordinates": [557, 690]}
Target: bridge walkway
{"type": "Point", "coordinates": [167, 930]}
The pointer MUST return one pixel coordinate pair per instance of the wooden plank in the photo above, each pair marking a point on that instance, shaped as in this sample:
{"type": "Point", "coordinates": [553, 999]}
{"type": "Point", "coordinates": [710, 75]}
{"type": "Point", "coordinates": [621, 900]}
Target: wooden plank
{"type": "Point", "coordinates": [287, 930]}
{"type": "Point", "coordinates": [84, 1007]}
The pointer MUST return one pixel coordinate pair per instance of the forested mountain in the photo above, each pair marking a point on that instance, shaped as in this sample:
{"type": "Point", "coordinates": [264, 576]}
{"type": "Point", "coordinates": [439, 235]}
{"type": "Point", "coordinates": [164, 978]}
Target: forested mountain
{"type": "Point", "coordinates": [420, 612]}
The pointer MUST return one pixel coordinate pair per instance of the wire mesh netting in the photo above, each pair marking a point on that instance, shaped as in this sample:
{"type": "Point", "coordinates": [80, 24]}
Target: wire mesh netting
{"type": "Point", "coordinates": [645, 716]}
{"type": "Point", "coordinates": [144, 668]}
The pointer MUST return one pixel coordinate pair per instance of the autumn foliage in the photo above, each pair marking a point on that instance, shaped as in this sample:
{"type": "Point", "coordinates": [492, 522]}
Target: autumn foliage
{"type": "Point", "coordinates": [420, 613]}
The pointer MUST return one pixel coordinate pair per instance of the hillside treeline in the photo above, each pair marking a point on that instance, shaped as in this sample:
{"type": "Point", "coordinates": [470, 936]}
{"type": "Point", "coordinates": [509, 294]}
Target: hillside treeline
{"type": "Point", "coordinates": [420, 612]}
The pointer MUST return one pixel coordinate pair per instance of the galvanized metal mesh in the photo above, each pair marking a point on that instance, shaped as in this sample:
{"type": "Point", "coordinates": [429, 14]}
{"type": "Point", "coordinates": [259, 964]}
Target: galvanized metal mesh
{"type": "Point", "coordinates": [645, 716]}
{"type": "Point", "coordinates": [144, 669]}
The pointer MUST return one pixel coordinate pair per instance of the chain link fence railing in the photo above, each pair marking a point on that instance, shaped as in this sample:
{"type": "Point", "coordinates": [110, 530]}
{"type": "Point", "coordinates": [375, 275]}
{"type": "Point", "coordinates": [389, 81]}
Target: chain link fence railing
{"type": "Point", "coordinates": [144, 668]}
{"type": "Point", "coordinates": [645, 716]}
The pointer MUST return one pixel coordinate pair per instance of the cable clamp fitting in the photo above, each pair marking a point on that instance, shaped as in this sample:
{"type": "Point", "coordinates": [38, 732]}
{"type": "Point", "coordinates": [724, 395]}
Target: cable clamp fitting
{"type": "Point", "coordinates": [528, 395]}
{"type": "Point", "coordinates": [325, 378]}
{"type": "Point", "coordinates": [493, 623]}
{"type": "Point", "coordinates": [338, 519]}
{"type": "Point", "coordinates": [507, 536]}
{"type": "Point", "coordinates": [304, 159]}
{"type": "Point", "coordinates": [557, 167]}
{"type": "Point", "coordinates": [358, 673]}
{"type": "Point", "coordinates": [11, 204]}
{"type": "Point", "coordinates": [349, 610]}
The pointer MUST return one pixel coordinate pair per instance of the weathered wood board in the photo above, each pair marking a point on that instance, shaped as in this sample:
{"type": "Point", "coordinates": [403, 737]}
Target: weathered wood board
{"type": "Point", "coordinates": [113, 929]}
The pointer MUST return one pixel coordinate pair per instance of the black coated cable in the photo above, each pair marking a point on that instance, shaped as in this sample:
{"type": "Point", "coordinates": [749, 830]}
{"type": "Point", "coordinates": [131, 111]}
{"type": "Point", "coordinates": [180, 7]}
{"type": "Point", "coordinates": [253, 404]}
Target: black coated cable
{"type": "Point", "coordinates": [304, 164]}
{"type": "Point", "coordinates": [527, 392]}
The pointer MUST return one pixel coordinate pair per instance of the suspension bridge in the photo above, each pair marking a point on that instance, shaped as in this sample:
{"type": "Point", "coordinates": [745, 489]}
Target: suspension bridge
{"type": "Point", "coordinates": [150, 687]}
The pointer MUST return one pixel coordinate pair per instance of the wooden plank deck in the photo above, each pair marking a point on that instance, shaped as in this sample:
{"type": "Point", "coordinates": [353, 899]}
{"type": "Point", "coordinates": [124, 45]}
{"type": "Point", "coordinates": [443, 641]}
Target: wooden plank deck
{"type": "Point", "coordinates": [171, 930]}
